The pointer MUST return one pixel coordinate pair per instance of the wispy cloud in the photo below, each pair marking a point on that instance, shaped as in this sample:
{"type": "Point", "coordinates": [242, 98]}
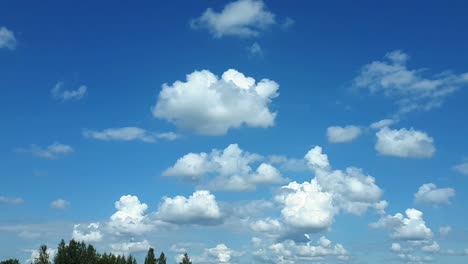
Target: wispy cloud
{"type": "Point", "coordinates": [128, 134]}
{"type": "Point", "coordinates": [11, 200]}
{"type": "Point", "coordinates": [52, 151]}
{"type": "Point", "coordinates": [59, 93]}
{"type": "Point", "coordinates": [7, 39]}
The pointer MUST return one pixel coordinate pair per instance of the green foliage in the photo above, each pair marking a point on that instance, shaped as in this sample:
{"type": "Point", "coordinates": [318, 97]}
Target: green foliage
{"type": "Point", "coordinates": [186, 259]}
{"type": "Point", "coordinates": [43, 256]}
{"type": "Point", "coordinates": [150, 258]}
{"type": "Point", "coordinates": [10, 261]}
{"type": "Point", "coordinates": [162, 258]}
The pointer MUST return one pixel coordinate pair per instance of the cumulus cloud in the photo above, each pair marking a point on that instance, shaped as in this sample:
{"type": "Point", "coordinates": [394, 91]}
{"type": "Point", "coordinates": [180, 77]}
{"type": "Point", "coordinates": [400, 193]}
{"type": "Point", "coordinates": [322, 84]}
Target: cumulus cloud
{"type": "Point", "coordinates": [128, 134]}
{"type": "Point", "coordinates": [60, 204]}
{"type": "Point", "coordinates": [292, 252]}
{"type": "Point", "coordinates": [231, 168]}
{"type": "Point", "coordinates": [206, 104]}
{"type": "Point", "coordinates": [242, 18]}
{"type": "Point", "coordinates": [462, 167]}
{"type": "Point", "coordinates": [35, 254]}
{"type": "Point", "coordinates": [429, 193]}
{"type": "Point", "coordinates": [50, 152]}
{"type": "Point", "coordinates": [130, 217]}
{"type": "Point", "coordinates": [59, 93]}
{"type": "Point", "coordinates": [124, 248]}
{"type": "Point", "coordinates": [337, 134]}
{"type": "Point", "coordinates": [411, 90]}
{"type": "Point", "coordinates": [199, 208]}
{"type": "Point", "coordinates": [220, 254]}
{"type": "Point", "coordinates": [11, 200]}
{"type": "Point", "coordinates": [404, 143]}
{"type": "Point", "coordinates": [432, 248]}
{"type": "Point", "coordinates": [412, 227]}
{"type": "Point", "coordinates": [7, 39]}
{"type": "Point", "coordinates": [88, 234]}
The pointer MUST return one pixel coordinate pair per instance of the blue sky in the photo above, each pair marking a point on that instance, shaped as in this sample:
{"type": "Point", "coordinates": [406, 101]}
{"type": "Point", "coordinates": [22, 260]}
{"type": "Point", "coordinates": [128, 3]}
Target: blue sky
{"type": "Point", "coordinates": [240, 132]}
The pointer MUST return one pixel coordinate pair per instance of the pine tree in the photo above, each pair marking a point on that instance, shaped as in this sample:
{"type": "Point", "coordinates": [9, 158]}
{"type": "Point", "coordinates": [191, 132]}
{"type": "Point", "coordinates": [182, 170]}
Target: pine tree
{"type": "Point", "coordinates": [61, 256]}
{"type": "Point", "coordinates": [10, 261]}
{"type": "Point", "coordinates": [43, 256]}
{"type": "Point", "coordinates": [162, 258]}
{"type": "Point", "coordinates": [150, 258]}
{"type": "Point", "coordinates": [186, 259]}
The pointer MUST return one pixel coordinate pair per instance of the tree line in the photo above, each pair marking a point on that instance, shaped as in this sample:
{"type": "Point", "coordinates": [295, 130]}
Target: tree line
{"type": "Point", "coordinates": [81, 253]}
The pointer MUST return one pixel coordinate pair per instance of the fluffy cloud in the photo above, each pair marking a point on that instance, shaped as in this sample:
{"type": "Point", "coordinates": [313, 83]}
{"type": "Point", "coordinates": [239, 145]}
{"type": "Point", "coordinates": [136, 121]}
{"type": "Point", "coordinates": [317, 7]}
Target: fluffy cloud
{"type": "Point", "coordinates": [352, 190]}
{"type": "Point", "coordinates": [128, 134]}
{"type": "Point", "coordinates": [87, 234]}
{"type": "Point", "coordinates": [411, 90]}
{"type": "Point", "coordinates": [306, 206]}
{"type": "Point", "coordinates": [232, 167]}
{"type": "Point", "coordinates": [35, 254]}
{"type": "Point", "coordinates": [221, 254]}
{"type": "Point", "coordinates": [243, 18]}
{"type": "Point", "coordinates": [291, 252]}
{"type": "Point", "coordinates": [404, 143]}
{"type": "Point", "coordinates": [432, 248]}
{"type": "Point", "coordinates": [206, 104]}
{"type": "Point", "coordinates": [65, 95]}
{"type": "Point", "coordinates": [267, 226]}
{"type": "Point", "coordinates": [11, 200]}
{"type": "Point", "coordinates": [200, 208]}
{"type": "Point", "coordinates": [7, 39]}
{"type": "Point", "coordinates": [52, 151]}
{"type": "Point", "coordinates": [412, 227]}
{"type": "Point", "coordinates": [130, 247]}
{"type": "Point", "coordinates": [337, 134]}
{"type": "Point", "coordinates": [60, 204]}
{"type": "Point", "coordinates": [462, 167]}
{"type": "Point", "coordinates": [130, 217]}
{"type": "Point", "coordinates": [429, 193]}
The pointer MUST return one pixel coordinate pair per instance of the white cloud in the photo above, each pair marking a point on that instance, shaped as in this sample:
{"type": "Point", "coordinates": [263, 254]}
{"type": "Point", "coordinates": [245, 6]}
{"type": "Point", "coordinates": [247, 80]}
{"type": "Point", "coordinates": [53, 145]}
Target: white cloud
{"type": "Point", "coordinates": [306, 206]}
{"type": "Point", "coordinates": [404, 143]}
{"type": "Point", "coordinates": [221, 254]}
{"type": "Point", "coordinates": [130, 217]}
{"type": "Point", "coordinates": [396, 247]}
{"type": "Point", "coordinates": [125, 248]}
{"type": "Point", "coordinates": [199, 208]}
{"type": "Point", "coordinates": [52, 151]}
{"type": "Point", "coordinates": [128, 134]}
{"type": "Point", "coordinates": [432, 248]}
{"type": "Point", "coordinates": [65, 95]}
{"type": "Point", "coordinates": [383, 123]}
{"type": "Point", "coordinates": [291, 252]}
{"type": "Point", "coordinates": [255, 50]}
{"type": "Point", "coordinates": [413, 227]}
{"type": "Point", "coordinates": [337, 134]}
{"type": "Point", "coordinates": [429, 193]}
{"type": "Point", "coordinates": [316, 159]}
{"type": "Point", "coordinates": [206, 104]}
{"type": "Point", "coordinates": [411, 90]}
{"type": "Point", "coordinates": [268, 226]}
{"type": "Point", "coordinates": [87, 234]}
{"type": "Point", "coordinates": [11, 200]}
{"type": "Point", "coordinates": [60, 204]}
{"type": "Point", "coordinates": [7, 39]}
{"type": "Point", "coordinates": [232, 167]}
{"type": "Point", "coordinates": [243, 18]}
{"type": "Point", "coordinates": [462, 167]}
{"type": "Point", "coordinates": [445, 230]}
{"type": "Point", "coordinates": [35, 254]}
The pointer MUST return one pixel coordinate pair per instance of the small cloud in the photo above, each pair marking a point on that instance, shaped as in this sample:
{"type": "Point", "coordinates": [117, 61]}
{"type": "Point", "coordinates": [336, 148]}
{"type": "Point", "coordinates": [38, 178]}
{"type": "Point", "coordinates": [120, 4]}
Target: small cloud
{"type": "Point", "coordinates": [128, 134]}
{"type": "Point", "coordinates": [337, 134]}
{"type": "Point", "coordinates": [383, 123]}
{"type": "Point", "coordinates": [52, 151]}
{"type": "Point", "coordinates": [462, 167]}
{"type": "Point", "coordinates": [404, 143]}
{"type": "Point", "coordinates": [7, 39]}
{"type": "Point", "coordinates": [65, 95]}
{"type": "Point", "coordinates": [445, 230]}
{"type": "Point", "coordinates": [11, 200]}
{"type": "Point", "coordinates": [255, 50]}
{"type": "Point", "coordinates": [60, 204]}
{"type": "Point", "coordinates": [429, 193]}
{"type": "Point", "coordinates": [288, 23]}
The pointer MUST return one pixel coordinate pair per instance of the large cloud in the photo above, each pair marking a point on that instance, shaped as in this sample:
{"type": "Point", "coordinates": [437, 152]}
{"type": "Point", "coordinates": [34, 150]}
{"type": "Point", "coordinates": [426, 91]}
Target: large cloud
{"type": "Point", "coordinates": [411, 90]}
{"type": "Point", "coordinates": [404, 143]}
{"type": "Point", "coordinates": [429, 193]}
{"type": "Point", "coordinates": [337, 134]}
{"type": "Point", "coordinates": [209, 105]}
{"type": "Point", "coordinates": [200, 208]}
{"type": "Point", "coordinates": [130, 217]}
{"type": "Point", "coordinates": [231, 168]}
{"type": "Point", "coordinates": [244, 18]}
{"type": "Point", "coordinates": [7, 39]}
